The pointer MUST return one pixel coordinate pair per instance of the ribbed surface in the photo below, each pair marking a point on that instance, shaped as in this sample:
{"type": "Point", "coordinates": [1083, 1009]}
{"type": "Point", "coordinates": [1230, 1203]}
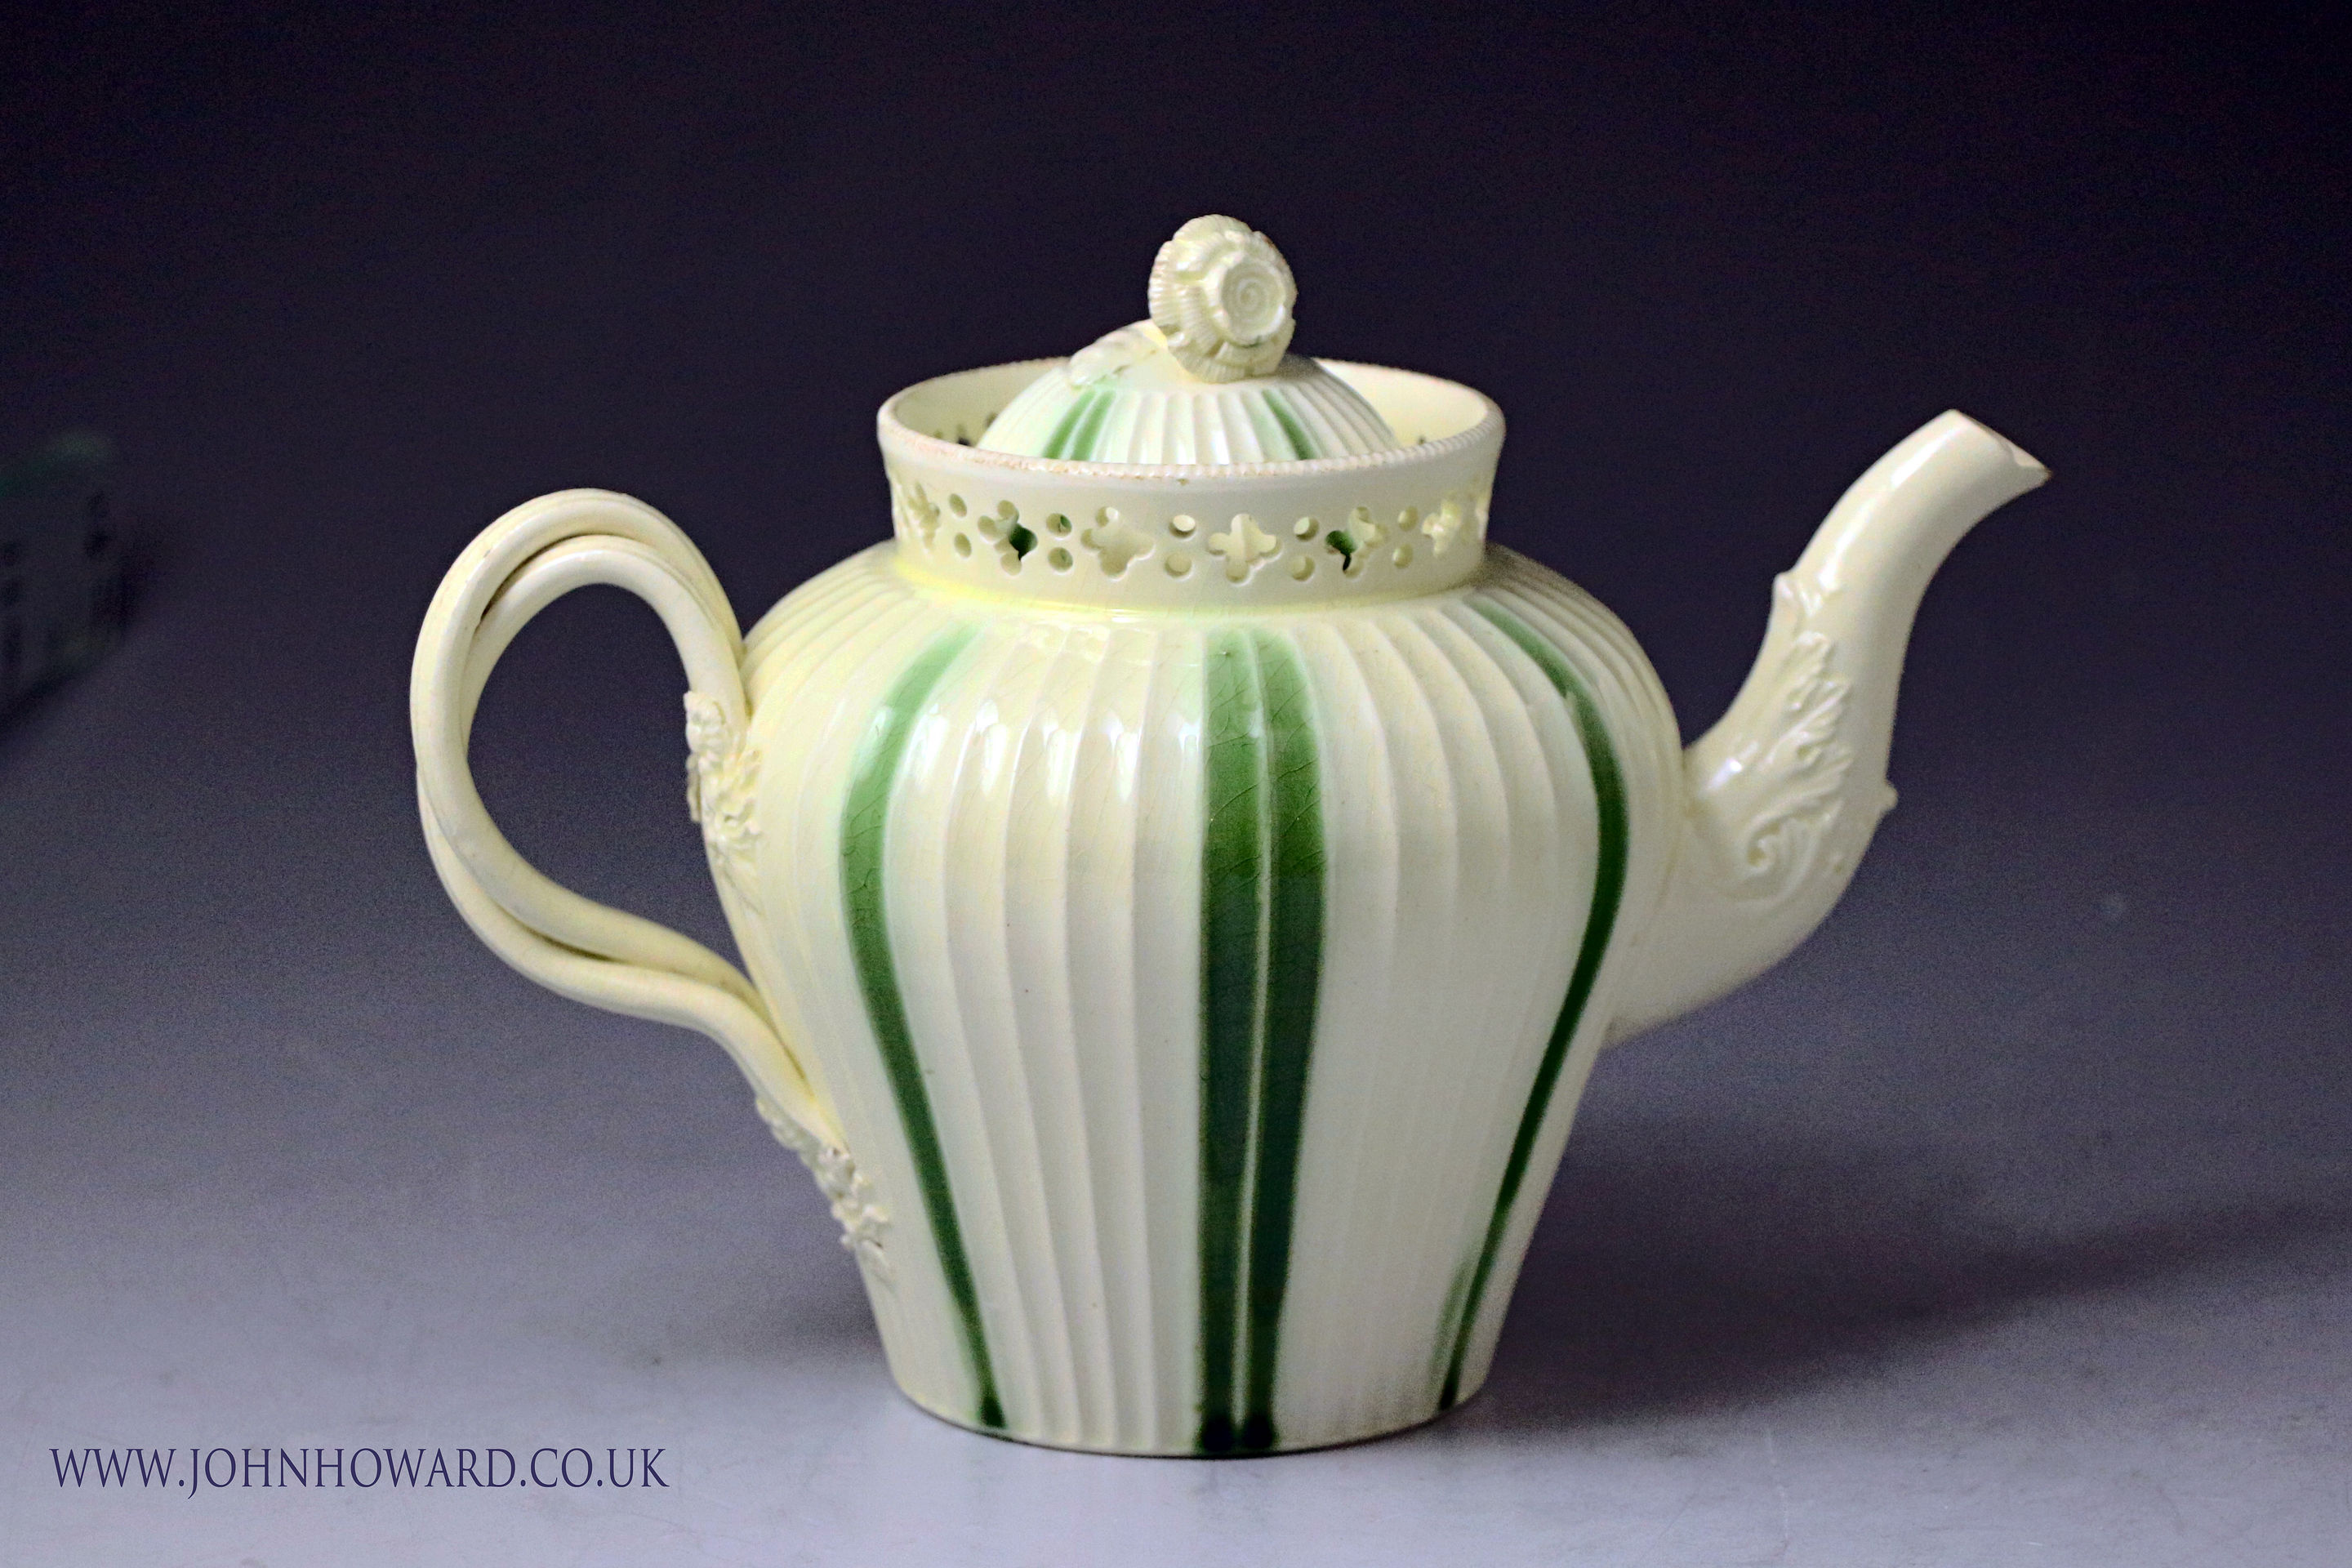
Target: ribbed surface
{"type": "Point", "coordinates": [1419, 1061]}
{"type": "Point", "coordinates": [991, 901]}
{"type": "Point", "coordinates": [820, 663]}
{"type": "Point", "coordinates": [1044, 882]}
{"type": "Point", "coordinates": [1217, 539]}
{"type": "Point", "coordinates": [1304, 412]}
{"type": "Point", "coordinates": [1056, 1011]}
{"type": "Point", "coordinates": [1609, 665]}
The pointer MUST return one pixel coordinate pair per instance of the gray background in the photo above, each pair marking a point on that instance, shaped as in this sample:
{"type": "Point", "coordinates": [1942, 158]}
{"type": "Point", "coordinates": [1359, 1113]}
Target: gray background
{"type": "Point", "coordinates": [2010, 1222]}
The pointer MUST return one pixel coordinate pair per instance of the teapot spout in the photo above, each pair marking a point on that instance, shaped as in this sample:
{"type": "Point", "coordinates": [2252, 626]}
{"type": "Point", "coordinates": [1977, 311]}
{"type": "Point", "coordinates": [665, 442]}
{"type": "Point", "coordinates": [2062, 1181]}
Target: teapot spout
{"type": "Point", "coordinates": [1782, 794]}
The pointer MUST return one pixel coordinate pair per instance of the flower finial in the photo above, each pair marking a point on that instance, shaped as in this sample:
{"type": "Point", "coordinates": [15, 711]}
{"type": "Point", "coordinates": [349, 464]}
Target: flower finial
{"type": "Point", "coordinates": [1222, 295]}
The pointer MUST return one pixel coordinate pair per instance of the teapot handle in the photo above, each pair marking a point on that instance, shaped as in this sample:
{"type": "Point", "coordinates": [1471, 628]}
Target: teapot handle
{"type": "Point", "coordinates": [574, 945]}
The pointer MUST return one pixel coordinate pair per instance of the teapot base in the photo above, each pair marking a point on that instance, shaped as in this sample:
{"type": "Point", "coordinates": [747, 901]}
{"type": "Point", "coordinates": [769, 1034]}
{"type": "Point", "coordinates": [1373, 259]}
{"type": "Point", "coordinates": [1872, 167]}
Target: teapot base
{"type": "Point", "coordinates": [1072, 1445]}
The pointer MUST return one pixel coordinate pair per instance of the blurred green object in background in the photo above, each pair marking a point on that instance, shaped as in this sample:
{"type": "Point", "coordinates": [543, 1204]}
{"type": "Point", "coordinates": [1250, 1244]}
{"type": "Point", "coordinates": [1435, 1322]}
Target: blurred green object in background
{"type": "Point", "coordinates": [61, 599]}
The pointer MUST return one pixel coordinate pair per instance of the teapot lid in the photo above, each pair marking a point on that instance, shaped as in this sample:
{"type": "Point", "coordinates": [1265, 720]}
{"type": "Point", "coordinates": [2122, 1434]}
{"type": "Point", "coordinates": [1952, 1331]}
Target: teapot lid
{"type": "Point", "coordinates": [1207, 379]}
{"type": "Point", "coordinates": [1191, 462]}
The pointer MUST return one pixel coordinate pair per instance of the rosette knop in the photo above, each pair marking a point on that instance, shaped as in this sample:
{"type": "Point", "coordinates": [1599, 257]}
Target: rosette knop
{"type": "Point", "coordinates": [1222, 295]}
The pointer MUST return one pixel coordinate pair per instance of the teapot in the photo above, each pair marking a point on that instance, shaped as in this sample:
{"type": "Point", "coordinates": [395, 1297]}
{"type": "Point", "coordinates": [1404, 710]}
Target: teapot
{"type": "Point", "coordinates": [1185, 876]}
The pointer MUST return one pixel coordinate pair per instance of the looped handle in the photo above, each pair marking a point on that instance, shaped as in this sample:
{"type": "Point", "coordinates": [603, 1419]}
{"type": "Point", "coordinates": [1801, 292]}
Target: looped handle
{"type": "Point", "coordinates": [574, 945]}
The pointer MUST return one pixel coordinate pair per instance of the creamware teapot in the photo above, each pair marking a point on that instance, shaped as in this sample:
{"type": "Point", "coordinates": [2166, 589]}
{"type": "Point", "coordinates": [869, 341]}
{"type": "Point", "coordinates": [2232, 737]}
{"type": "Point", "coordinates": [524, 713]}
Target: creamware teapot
{"type": "Point", "coordinates": [1185, 876]}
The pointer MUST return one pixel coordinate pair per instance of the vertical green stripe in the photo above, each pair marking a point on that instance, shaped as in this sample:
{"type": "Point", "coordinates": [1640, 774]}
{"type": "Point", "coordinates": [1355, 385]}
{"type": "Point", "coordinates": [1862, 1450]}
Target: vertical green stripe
{"type": "Point", "coordinates": [864, 820]}
{"type": "Point", "coordinates": [1294, 969]}
{"type": "Point", "coordinates": [1270, 438]}
{"type": "Point", "coordinates": [1082, 445]}
{"type": "Point", "coordinates": [1608, 887]}
{"type": "Point", "coordinates": [1262, 877]}
{"type": "Point", "coordinates": [1302, 445]}
{"type": "Point", "coordinates": [1232, 922]}
{"type": "Point", "coordinates": [1058, 444]}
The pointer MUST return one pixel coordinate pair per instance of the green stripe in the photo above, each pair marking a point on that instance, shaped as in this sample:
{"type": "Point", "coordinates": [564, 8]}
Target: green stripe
{"type": "Point", "coordinates": [1608, 887]}
{"type": "Point", "coordinates": [1082, 445]}
{"type": "Point", "coordinates": [1057, 444]}
{"type": "Point", "coordinates": [1294, 972]}
{"type": "Point", "coordinates": [1301, 444]}
{"type": "Point", "coordinates": [1262, 425]}
{"type": "Point", "coordinates": [1232, 926]}
{"type": "Point", "coordinates": [1261, 872]}
{"type": "Point", "coordinates": [864, 819]}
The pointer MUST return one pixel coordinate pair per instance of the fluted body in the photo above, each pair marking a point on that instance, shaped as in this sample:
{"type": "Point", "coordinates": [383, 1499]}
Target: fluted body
{"type": "Point", "coordinates": [1182, 903]}
{"type": "Point", "coordinates": [1188, 992]}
